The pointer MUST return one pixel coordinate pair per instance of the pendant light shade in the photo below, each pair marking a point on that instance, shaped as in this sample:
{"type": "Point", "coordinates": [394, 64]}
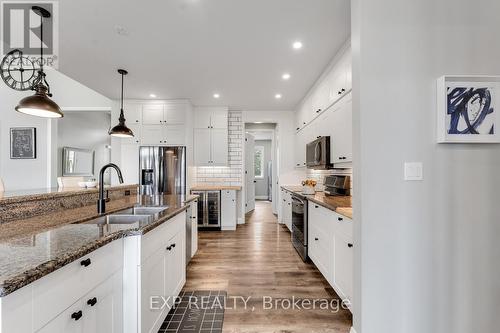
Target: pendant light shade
{"type": "Point", "coordinates": [121, 130]}
{"type": "Point", "coordinates": [40, 104]}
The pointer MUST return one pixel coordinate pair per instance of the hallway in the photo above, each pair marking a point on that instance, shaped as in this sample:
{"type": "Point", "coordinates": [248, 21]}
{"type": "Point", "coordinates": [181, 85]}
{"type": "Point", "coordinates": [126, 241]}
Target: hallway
{"type": "Point", "coordinates": [258, 260]}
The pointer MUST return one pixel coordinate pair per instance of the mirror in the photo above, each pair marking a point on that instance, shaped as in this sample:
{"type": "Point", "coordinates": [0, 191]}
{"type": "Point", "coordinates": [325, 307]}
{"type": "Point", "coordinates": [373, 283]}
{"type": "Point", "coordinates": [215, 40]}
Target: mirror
{"type": "Point", "coordinates": [78, 162]}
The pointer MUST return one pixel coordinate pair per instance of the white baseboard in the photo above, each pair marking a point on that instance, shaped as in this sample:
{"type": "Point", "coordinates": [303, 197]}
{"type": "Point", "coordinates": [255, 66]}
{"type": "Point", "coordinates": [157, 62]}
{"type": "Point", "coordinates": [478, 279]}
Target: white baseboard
{"type": "Point", "coordinates": [352, 330]}
{"type": "Point", "coordinates": [261, 197]}
{"type": "Point", "coordinates": [241, 220]}
{"type": "Point", "coordinates": [228, 228]}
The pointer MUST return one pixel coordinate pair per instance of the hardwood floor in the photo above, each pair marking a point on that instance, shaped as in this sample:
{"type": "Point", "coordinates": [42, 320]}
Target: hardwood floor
{"type": "Point", "coordinates": [258, 260]}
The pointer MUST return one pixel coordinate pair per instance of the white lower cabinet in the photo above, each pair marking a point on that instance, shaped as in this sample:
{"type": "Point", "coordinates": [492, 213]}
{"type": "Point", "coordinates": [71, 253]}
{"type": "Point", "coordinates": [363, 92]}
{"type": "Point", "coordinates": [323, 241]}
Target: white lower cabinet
{"type": "Point", "coordinates": [287, 209]}
{"type": "Point", "coordinates": [228, 210]}
{"type": "Point", "coordinates": [83, 296]}
{"type": "Point", "coordinates": [330, 247]}
{"type": "Point", "coordinates": [194, 227]}
{"type": "Point", "coordinates": [99, 311]}
{"type": "Point", "coordinates": [154, 272]}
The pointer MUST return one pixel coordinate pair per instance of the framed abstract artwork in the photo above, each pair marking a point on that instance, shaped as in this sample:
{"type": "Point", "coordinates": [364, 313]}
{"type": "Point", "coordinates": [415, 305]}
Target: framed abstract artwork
{"type": "Point", "coordinates": [23, 143]}
{"type": "Point", "coordinates": [468, 109]}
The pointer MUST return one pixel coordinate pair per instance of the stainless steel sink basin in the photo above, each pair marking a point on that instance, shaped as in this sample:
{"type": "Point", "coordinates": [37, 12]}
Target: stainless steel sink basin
{"type": "Point", "coordinates": [141, 211]}
{"type": "Point", "coordinates": [121, 219]}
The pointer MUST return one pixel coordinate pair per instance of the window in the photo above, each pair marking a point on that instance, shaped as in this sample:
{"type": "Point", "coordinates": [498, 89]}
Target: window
{"type": "Point", "coordinates": [259, 162]}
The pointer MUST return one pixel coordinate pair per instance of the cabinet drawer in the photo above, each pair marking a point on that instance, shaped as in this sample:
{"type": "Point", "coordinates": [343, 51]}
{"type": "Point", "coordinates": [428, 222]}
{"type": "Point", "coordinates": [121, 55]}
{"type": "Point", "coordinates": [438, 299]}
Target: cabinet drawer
{"type": "Point", "coordinates": [55, 292]}
{"type": "Point", "coordinates": [321, 217]}
{"type": "Point", "coordinates": [343, 225]}
{"type": "Point", "coordinates": [157, 238]}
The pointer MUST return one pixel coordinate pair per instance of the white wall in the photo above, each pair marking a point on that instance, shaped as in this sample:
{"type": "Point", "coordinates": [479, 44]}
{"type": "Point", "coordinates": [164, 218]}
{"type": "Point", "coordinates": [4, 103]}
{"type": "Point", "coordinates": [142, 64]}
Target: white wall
{"type": "Point", "coordinates": [427, 253]}
{"type": "Point", "coordinates": [40, 172]}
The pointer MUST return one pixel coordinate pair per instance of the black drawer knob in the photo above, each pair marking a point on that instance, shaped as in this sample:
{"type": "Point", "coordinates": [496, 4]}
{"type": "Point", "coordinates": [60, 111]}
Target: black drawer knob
{"type": "Point", "coordinates": [340, 218]}
{"type": "Point", "coordinates": [92, 301]}
{"type": "Point", "coordinates": [349, 245]}
{"type": "Point", "coordinates": [85, 262]}
{"type": "Point", "coordinates": [316, 206]}
{"type": "Point", "coordinates": [316, 239]}
{"type": "Point", "coordinates": [77, 315]}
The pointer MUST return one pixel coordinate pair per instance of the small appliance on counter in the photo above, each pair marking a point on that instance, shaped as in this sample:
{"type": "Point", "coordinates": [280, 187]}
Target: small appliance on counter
{"type": "Point", "coordinates": [337, 185]}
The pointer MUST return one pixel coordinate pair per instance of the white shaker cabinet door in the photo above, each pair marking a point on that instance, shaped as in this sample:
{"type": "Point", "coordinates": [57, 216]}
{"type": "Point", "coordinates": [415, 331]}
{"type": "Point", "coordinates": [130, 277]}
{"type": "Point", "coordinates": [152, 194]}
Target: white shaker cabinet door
{"type": "Point", "coordinates": [132, 113]}
{"type": "Point", "coordinates": [343, 275]}
{"type": "Point", "coordinates": [342, 138]}
{"type": "Point", "coordinates": [218, 119]}
{"type": "Point", "coordinates": [152, 272]}
{"type": "Point", "coordinates": [153, 135]}
{"type": "Point", "coordinates": [152, 114]}
{"type": "Point", "coordinates": [175, 135]}
{"type": "Point", "coordinates": [175, 113]}
{"type": "Point", "coordinates": [202, 146]}
{"type": "Point", "coordinates": [219, 147]}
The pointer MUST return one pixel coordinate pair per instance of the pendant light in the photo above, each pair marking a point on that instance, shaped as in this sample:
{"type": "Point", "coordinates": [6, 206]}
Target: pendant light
{"type": "Point", "coordinates": [40, 104]}
{"type": "Point", "coordinates": [121, 130]}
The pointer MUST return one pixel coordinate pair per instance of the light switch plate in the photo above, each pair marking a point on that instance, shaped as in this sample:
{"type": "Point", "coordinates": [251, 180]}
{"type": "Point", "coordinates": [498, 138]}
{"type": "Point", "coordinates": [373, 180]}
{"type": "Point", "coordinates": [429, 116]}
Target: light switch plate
{"type": "Point", "coordinates": [414, 171]}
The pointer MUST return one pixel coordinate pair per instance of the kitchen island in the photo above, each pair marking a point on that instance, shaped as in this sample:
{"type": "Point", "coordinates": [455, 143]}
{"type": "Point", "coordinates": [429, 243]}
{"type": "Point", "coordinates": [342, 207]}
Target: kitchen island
{"type": "Point", "coordinates": [54, 265]}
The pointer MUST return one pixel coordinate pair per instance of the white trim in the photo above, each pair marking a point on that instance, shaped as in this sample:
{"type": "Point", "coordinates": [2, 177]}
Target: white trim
{"type": "Point", "coordinates": [240, 220]}
{"type": "Point", "coordinates": [352, 330]}
{"type": "Point", "coordinates": [261, 197]}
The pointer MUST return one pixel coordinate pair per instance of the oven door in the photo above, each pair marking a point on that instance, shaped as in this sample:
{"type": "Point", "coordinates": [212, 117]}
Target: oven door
{"type": "Point", "coordinates": [299, 220]}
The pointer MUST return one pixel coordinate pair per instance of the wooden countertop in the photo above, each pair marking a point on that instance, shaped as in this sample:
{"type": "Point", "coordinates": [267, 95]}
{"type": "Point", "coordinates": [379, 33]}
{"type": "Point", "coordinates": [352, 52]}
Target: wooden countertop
{"type": "Point", "coordinates": [339, 204]}
{"type": "Point", "coordinates": [215, 188]}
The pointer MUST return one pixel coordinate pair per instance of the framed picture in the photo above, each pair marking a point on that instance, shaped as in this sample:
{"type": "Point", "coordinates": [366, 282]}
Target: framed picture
{"type": "Point", "coordinates": [468, 109]}
{"type": "Point", "coordinates": [23, 143]}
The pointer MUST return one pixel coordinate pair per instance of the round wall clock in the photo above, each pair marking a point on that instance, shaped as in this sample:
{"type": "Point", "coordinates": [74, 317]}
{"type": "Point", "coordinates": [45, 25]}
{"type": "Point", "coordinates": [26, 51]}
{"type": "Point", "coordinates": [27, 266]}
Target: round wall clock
{"type": "Point", "coordinates": [17, 71]}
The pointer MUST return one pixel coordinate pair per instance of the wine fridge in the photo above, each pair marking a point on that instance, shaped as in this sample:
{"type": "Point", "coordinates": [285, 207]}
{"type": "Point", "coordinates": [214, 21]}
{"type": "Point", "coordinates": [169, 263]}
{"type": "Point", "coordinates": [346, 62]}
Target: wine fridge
{"type": "Point", "coordinates": [208, 209]}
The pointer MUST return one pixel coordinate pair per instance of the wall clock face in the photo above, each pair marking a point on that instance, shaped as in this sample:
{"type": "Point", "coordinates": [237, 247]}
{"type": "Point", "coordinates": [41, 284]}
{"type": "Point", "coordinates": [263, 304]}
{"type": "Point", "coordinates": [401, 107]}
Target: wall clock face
{"type": "Point", "coordinates": [17, 71]}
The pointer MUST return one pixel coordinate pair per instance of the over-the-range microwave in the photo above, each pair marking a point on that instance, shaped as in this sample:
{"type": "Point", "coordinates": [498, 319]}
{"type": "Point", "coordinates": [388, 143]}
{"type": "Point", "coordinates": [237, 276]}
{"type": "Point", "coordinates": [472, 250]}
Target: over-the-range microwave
{"type": "Point", "coordinates": [318, 154]}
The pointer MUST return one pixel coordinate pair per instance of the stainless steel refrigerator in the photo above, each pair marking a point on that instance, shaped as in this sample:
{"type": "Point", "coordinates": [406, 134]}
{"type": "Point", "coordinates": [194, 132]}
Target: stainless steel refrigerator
{"type": "Point", "coordinates": [162, 170]}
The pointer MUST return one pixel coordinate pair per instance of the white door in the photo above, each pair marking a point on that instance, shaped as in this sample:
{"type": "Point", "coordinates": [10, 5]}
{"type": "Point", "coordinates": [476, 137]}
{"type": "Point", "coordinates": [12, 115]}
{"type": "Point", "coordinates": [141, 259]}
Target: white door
{"type": "Point", "coordinates": [249, 173]}
{"type": "Point", "coordinates": [219, 147]}
{"type": "Point", "coordinates": [175, 113]}
{"type": "Point", "coordinates": [152, 272]}
{"type": "Point", "coordinates": [132, 113]}
{"type": "Point", "coordinates": [175, 135]}
{"type": "Point", "coordinates": [201, 146]}
{"type": "Point", "coordinates": [152, 114]}
{"type": "Point", "coordinates": [130, 163]}
{"type": "Point", "coordinates": [153, 135]}
{"type": "Point", "coordinates": [219, 119]}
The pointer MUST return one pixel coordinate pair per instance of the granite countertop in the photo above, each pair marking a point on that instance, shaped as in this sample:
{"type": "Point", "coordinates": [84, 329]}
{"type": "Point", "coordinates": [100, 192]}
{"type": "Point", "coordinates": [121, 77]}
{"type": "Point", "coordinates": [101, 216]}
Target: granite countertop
{"type": "Point", "coordinates": [215, 188]}
{"type": "Point", "coordinates": [35, 247]}
{"type": "Point", "coordinates": [339, 204]}
{"type": "Point", "coordinates": [44, 193]}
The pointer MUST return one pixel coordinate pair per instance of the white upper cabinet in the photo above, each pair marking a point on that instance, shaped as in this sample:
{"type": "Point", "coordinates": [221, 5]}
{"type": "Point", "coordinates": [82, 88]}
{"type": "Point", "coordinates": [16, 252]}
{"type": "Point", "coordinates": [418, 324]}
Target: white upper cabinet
{"type": "Point", "coordinates": [174, 112]}
{"type": "Point", "coordinates": [219, 147]}
{"type": "Point", "coordinates": [153, 135]}
{"type": "Point", "coordinates": [132, 113]}
{"type": "Point", "coordinates": [152, 114]}
{"type": "Point", "coordinates": [202, 146]}
{"type": "Point", "coordinates": [211, 117]}
{"type": "Point", "coordinates": [341, 142]}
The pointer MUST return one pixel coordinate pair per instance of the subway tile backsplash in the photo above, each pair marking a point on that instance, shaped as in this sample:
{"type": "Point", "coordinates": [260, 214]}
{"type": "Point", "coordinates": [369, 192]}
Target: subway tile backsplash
{"type": "Point", "coordinates": [230, 175]}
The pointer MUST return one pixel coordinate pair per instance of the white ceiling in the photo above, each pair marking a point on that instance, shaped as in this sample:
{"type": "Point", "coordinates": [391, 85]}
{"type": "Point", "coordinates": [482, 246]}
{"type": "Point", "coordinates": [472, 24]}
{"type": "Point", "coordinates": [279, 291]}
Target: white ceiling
{"type": "Point", "coordinates": [194, 48]}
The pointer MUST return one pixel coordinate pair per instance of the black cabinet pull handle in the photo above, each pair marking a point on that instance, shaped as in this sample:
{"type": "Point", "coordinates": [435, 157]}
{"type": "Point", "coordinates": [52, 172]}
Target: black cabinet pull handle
{"type": "Point", "coordinates": [340, 218]}
{"type": "Point", "coordinates": [169, 248]}
{"type": "Point", "coordinates": [343, 89]}
{"type": "Point", "coordinates": [76, 315]}
{"type": "Point", "coordinates": [173, 245]}
{"type": "Point", "coordinates": [297, 128]}
{"type": "Point", "coordinates": [85, 262]}
{"type": "Point", "coordinates": [316, 238]}
{"type": "Point", "coordinates": [92, 301]}
{"type": "Point", "coordinates": [349, 245]}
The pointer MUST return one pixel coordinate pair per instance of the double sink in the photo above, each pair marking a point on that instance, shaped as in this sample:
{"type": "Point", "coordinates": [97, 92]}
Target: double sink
{"type": "Point", "coordinates": [139, 214]}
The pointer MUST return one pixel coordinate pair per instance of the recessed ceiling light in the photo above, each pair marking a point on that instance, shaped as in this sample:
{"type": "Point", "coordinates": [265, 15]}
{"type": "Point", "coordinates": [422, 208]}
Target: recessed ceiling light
{"type": "Point", "coordinates": [285, 76]}
{"type": "Point", "coordinates": [152, 95]}
{"type": "Point", "coordinates": [277, 96]}
{"type": "Point", "coordinates": [216, 95]}
{"type": "Point", "coordinates": [297, 45]}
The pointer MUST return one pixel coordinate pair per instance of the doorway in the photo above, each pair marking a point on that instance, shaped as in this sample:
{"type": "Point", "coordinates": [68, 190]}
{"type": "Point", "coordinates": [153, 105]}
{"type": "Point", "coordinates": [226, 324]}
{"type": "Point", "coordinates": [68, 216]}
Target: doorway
{"type": "Point", "coordinates": [260, 166]}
